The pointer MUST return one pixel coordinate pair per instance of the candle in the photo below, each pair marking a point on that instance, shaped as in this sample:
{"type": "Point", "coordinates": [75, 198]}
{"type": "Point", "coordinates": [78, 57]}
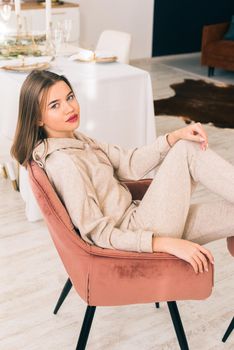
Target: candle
{"type": "Point", "coordinates": [17, 7]}
{"type": "Point", "coordinates": [48, 18]}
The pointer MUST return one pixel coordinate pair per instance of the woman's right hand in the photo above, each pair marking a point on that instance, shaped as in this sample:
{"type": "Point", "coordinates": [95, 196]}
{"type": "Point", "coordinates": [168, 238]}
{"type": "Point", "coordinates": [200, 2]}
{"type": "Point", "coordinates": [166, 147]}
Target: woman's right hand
{"type": "Point", "coordinates": [193, 253]}
{"type": "Point", "coordinates": [193, 132]}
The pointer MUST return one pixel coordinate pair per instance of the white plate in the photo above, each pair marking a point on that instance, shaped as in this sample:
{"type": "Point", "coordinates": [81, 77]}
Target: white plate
{"type": "Point", "coordinates": [31, 60]}
{"type": "Point", "coordinates": [26, 64]}
{"type": "Point", "coordinates": [24, 68]}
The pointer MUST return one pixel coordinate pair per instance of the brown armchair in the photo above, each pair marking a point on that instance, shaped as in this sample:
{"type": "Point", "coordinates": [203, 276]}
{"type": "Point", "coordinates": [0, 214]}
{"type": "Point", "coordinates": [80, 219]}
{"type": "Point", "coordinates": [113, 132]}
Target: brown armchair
{"type": "Point", "coordinates": [216, 52]}
{"type": "Point", "coordinates": [108, 277]}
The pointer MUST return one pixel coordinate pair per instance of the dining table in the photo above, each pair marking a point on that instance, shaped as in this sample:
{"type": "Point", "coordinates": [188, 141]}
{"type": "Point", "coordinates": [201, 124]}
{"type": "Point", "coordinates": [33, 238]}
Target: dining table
{"type": "Point", "coordinates": [116, 106]}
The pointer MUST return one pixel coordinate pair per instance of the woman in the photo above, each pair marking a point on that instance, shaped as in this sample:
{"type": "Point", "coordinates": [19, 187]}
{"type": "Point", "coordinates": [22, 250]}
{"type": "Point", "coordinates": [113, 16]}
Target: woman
{"type": "Point", "coordinates": [86, 175]}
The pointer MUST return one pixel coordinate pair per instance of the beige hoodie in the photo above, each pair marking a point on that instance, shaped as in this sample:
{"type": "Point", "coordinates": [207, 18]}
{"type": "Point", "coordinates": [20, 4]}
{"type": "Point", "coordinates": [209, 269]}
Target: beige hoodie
{"type": "Point", "coordinates": [86, 174]}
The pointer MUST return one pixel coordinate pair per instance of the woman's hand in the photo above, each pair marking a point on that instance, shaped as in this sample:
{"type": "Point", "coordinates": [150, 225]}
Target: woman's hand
{"type": "Point", "coordinates": [193, 132]}
{"type": "Point", "coordinates": [191, 252]}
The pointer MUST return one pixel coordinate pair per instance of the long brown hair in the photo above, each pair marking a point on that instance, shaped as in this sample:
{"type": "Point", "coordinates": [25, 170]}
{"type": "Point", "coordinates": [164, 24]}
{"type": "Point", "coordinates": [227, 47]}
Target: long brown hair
{"type": "Point", "coordinates": [28, 132]}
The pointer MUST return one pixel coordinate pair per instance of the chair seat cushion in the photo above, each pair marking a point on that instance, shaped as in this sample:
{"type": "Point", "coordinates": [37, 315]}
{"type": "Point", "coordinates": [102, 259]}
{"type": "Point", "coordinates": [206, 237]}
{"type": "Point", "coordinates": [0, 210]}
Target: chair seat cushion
{"type": "Point", "coordinates": [230, 245]}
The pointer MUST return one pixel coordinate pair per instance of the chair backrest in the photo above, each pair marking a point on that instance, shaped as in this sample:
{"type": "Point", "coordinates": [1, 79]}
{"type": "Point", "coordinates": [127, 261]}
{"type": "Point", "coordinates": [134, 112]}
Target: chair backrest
{"type": "Point", "coordinates": [117, 42]}
{"type": "Point", "coordinates": [73, 251]}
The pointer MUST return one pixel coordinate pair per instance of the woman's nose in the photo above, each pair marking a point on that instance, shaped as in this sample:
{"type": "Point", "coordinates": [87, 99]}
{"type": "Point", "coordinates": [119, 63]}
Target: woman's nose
{"type": "Point", "coordinates": [67, 107]}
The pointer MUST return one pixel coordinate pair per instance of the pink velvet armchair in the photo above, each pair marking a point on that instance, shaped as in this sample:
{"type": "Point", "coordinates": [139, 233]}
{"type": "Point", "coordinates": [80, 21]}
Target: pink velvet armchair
{"type": "Point", "coordinates": [105, 277]}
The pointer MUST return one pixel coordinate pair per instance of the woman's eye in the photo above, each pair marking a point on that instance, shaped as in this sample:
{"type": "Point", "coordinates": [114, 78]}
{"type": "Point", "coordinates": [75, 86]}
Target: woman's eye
{"type": "Point", "coordinates": [55, 106]}
{"type": "Point", "coordinates": [70, 97]}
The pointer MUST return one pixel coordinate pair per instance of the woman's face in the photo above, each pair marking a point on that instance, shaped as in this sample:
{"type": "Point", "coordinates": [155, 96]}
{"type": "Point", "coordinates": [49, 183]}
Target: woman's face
{"type": "Point", "coordinates": [60, 111]}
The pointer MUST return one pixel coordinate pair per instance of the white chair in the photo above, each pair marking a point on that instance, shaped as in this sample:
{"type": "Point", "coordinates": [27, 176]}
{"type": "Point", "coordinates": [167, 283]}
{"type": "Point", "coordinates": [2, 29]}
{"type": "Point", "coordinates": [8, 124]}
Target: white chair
{"type": "Point", "coordinates": [117, 42]}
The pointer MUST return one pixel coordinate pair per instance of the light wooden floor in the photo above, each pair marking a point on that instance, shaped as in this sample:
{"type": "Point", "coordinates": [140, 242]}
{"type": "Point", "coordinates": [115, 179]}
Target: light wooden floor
{"type": "Point", "coordinates": [32, 276]}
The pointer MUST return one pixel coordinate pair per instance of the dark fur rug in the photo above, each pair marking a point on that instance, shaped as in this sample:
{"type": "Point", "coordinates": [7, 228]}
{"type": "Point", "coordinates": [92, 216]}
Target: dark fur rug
{"type": "Point", "coordinates": [200, 101]}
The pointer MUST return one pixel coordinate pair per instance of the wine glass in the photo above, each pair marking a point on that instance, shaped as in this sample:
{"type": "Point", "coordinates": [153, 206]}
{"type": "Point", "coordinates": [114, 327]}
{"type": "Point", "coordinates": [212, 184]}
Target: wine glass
{"type": "Point", "coordinates": [57, 39]}
{"type": "Point", "coordinates": [6, 12]}
{"type": "Point", "coordinates": [67, 27]}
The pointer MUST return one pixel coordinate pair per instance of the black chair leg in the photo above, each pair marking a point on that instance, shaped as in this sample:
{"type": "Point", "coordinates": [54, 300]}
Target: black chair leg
{"type": "Point", "coordinates": [210, 71]}
{"type": "Point", "coordinates": [64, 293]}
{"type": "Point", "coordinates": [157, 305]}
{"type": "Point", "coordinates": [175, 316]}
{"type": "Point", "coordinates": [228, 331]}
{"type": "Point", "coordinates": [84, 333]}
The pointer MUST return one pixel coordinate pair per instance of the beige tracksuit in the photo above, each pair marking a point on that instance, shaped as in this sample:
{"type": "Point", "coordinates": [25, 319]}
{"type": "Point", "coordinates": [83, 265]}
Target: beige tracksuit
{"type": "Point", "coordinates": [87, 177]}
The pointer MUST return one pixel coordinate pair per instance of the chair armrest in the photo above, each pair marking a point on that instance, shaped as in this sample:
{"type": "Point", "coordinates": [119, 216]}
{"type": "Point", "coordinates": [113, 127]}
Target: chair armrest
{"type": "Point", "coordinates": [213, 32]}
{"type": "Point", "coordinates": [138, 188]}
{"type": "Point", "coordinates": [121, 278]}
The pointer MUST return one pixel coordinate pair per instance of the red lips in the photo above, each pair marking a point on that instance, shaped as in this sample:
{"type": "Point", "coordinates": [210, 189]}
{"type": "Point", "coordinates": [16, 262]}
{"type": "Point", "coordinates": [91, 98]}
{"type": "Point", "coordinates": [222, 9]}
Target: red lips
{"type": "Point", "coordinates": [73, 118]}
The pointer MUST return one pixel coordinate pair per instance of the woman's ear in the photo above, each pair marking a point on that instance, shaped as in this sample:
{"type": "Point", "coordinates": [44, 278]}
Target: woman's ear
{"type": "Point", "coordinates": [40, 123]}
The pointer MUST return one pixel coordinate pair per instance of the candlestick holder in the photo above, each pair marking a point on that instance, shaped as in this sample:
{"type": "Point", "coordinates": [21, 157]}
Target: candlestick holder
{"type": "Point", "coordinates": [18, 25]}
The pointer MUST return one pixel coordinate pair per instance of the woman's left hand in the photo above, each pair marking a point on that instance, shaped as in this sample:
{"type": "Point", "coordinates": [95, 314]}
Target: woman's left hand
{"type": "Point", "coordinates": [192, 132]}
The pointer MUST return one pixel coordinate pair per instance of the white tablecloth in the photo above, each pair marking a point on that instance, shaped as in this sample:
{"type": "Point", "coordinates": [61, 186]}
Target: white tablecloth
{"type": "Point", "coordinates": [116, 106]}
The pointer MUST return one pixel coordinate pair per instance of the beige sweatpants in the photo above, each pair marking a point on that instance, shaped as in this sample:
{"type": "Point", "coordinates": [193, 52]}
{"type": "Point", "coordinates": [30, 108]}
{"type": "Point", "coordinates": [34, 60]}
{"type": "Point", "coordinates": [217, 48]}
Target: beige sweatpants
{"type": "Point", "coordinates": [166, 207]}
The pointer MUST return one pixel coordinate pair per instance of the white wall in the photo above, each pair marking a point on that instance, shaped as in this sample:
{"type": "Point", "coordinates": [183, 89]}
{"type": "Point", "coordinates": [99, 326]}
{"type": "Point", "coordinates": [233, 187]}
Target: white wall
{"type": "Point", "coordinates": [133, 16]}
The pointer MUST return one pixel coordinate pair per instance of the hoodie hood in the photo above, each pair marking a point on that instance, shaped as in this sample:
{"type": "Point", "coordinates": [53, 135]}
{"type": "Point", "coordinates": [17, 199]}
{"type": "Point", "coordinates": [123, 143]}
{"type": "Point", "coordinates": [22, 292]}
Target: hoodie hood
{"type": "Point", "coordinates": [50, 145]}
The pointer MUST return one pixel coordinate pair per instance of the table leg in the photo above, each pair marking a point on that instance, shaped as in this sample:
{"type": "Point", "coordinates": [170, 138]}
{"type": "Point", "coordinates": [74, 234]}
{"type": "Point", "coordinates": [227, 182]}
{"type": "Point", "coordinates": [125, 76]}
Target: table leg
{"type": "Point", "coordinates": [3, 171]}
{"type": "Point", "coordinates": [11, 173]}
